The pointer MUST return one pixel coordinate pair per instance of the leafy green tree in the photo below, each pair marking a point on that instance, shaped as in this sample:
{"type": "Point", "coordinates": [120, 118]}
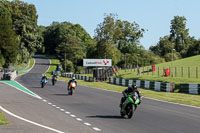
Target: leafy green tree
{"type": "Point", "coordinates": [178, 39]}
{"type": "Point", "coordinates": [58, 33]}
{"type": "Point", "coordinates": [180, 35]}
{"type": "Point", "coordinates": [71, 49]}
{"type": "Point", "coordinates": [8, 39]}
{"type": "Point", "coordinates": [68, 66]}
{"type": "Point", "coordinates": [24, 20]}
{"type": "Point", "coordinates": [194, 48]}
{"type": "Point", "coordinates": [163, 47]}
{"type": "Point", "coordinates": [115, 36]}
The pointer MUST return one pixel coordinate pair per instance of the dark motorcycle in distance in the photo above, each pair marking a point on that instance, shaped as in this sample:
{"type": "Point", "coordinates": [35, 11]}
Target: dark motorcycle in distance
{"type": "Point", "coordinates": [54, 80]}
{"type": "Point", "coordinates": [129, 106]}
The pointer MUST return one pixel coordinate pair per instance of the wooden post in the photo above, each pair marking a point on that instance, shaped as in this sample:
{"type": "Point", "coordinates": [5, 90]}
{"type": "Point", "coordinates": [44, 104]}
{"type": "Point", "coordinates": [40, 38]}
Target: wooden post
{"type": "Point", "coordinates": [175, 72]}
{"type": "Point", "coordinates": [188, 72]}
{"type": "Point", "coordinates": [163, 71]}
{"type": "Point", "coordinates": [143, 70]}
{"type": "Point", "coordinates": [197, 72]}
{"type": "Point", "coordinates": [182, 71]}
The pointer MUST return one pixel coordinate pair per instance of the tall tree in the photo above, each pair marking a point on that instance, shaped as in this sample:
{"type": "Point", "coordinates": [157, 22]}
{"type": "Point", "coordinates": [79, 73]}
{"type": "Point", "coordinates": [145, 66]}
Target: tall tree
{"type": "Point", "coordinates": [57, 33]}
{"type": "Point", "coordinates": [179, 34]}
{"type": "Point", "coordinates": [115, 36]}
{"type": "Point", "coordinates": [24, 19]}
{"type": "Point", "coordinates": [8, 39]}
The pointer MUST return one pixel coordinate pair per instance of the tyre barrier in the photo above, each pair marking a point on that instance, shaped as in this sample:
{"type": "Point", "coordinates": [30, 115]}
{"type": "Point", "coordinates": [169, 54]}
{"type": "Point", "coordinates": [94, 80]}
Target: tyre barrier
{"type": "Point", "coordinates": [190, 88]}
{"type": "Point", "coordinates": [85, 78]}
{"type": "Point", "coordinates": [157, 86]}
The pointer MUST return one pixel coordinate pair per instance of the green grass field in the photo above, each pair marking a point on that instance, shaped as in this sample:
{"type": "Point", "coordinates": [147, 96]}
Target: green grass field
{"type": "Point", "coordinates": [185, 70]}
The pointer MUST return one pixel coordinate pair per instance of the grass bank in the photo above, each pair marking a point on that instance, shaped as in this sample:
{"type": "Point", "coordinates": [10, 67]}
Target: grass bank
{"type": "Point", "coordinates": [28, 68]}
{"type": "Point", "coordinates": [3, 120]}
{"type": "Point", "coordinates": [185, 70]}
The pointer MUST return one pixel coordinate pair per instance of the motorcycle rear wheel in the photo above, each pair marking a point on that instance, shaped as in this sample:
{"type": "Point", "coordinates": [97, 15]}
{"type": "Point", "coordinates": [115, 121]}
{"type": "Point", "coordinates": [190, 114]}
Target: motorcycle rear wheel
{"type": "Point", "coordinates": [70, 92]}
{"type": "Point", "coordinates": [42, 85]}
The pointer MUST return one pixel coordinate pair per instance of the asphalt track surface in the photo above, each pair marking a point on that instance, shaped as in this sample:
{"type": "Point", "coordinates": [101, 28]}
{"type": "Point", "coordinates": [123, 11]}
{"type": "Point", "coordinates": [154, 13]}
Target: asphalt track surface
{"type": "Point", "coordinates": [95, 107]}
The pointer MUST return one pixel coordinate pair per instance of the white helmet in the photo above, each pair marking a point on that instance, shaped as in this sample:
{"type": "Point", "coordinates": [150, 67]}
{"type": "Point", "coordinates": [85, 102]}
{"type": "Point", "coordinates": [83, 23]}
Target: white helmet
{"type": "Point", "coordinates": [73, 78]}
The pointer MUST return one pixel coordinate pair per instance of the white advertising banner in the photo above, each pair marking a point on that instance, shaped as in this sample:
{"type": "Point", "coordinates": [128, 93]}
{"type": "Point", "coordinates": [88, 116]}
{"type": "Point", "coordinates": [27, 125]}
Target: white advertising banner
{"type": "Point", "coordinates": [97, 62]}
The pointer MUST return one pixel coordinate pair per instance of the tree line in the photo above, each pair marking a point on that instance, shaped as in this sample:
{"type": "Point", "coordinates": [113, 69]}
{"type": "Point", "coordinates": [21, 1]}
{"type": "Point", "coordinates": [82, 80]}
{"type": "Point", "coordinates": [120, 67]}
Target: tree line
{"type": "Point", "coordinates": [116, 39]}
{"type": "Point", "coordinates": [178, 43]}
{"type": "Point", "coordinates": [19, 33]}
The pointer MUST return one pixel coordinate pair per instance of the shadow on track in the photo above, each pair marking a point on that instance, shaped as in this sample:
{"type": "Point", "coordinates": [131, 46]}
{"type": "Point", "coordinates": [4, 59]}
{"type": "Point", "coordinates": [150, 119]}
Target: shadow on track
{"type": "Point", "coordinates": [37, 87]}
{"type": "Point", "coordinates": [61, 94]}
{"type": "Point", "coordinates": [106, 116]}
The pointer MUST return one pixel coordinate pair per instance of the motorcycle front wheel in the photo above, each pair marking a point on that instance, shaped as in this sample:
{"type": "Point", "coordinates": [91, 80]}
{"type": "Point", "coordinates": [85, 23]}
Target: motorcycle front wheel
{"type": "Point", "coordinates": [129, 111]}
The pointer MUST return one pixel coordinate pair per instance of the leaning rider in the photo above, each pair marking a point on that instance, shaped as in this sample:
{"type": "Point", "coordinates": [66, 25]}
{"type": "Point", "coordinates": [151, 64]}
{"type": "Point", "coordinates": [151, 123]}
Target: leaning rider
{"type": "Point", "coordinates": [54, 76]}
{"type": "Point", "coordinates": [131, 89]}
{"type": "Point", "coordinates": [72, 80]}
{"type": "Point", "coordinates": [44, 77]}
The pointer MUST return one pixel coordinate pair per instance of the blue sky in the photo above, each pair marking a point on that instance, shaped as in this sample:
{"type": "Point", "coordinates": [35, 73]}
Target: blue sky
{"type": "Point", "coordinates": [153, 15]}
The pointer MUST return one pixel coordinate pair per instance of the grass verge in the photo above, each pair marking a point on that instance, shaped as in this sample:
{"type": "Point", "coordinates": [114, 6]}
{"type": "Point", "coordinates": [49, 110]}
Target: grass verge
{"type": "Point", "coordinates": [3, 120]}
{"type": "Point", "coordinates": [30, 66]}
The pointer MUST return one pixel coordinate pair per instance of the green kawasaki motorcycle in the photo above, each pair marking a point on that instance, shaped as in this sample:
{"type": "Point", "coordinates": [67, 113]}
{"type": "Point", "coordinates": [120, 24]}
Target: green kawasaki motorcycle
{"type": "Point", "coordinates": [130, 105]}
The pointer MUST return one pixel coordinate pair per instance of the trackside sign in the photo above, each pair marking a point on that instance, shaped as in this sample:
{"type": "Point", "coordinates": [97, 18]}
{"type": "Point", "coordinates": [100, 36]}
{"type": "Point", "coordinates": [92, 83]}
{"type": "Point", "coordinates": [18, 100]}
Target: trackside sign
{"type": "Point", "coordinates": [97, 62]}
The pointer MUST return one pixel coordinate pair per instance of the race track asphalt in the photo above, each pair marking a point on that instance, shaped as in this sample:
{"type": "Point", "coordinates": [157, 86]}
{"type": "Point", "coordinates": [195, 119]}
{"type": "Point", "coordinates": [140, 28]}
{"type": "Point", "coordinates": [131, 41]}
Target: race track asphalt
{"type": "Point", "coordinates": [92, 108]}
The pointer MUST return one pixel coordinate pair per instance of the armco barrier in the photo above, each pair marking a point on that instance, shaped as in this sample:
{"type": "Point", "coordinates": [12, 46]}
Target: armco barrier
{"type": "Point", "coordinates": [158, 86]}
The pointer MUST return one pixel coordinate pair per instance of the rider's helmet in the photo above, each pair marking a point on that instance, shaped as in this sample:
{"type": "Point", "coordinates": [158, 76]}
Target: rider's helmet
{"type": "Point", "coordinates": [73, 78]}
{"type": "Point", "coordinates": [134, 86]}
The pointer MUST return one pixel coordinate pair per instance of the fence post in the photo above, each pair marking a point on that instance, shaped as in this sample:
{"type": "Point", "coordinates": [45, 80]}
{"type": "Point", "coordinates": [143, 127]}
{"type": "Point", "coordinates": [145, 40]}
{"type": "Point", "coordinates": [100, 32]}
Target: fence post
{"type": "Point", "coordinates": [152, 72]}
{"type": "Point", "coordinates": [143, 70]}
{"type": "Point", "coordinates": [188, 72]}
{"type": "Point", "coordinates": [175, 72]}
{"type": "Point", "coordinates": [163, 71]}
{"type": "Point", "coordinates": [197, 72]}
{"type": "Point", "coordinates": [182, 71]}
